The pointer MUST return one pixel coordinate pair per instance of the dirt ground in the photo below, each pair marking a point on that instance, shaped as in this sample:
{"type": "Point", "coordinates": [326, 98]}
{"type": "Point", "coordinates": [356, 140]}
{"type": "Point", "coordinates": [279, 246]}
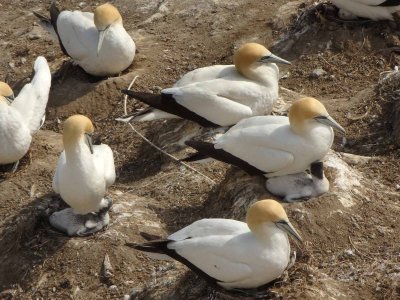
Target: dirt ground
{"type": "Point", "coordinates": [352, 248]}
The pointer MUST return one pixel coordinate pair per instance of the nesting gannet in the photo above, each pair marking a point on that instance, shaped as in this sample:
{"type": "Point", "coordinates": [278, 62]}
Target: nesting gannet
{"type": "Point", "coordinates": [301, 185]}
{"type": "Point", "coordinates": [24, 115]}
{"type": "Point", "coordinates": [83, 174]}
{"type": "Point", "coordinates": [220, 95]}
{"type": "Point", "coordinates": [275, 145]}
{"type": "Point", "coordinates": [230, 253]}
{"type": "Point", "coordinates": [371, 9]}
{"type": "Point", "coordinates": [97, 42]}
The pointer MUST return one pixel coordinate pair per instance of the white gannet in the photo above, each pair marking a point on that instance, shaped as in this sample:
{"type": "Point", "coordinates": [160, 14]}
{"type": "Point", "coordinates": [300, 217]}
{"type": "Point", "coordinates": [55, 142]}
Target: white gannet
{"type": "Point", "coordinates": [275, 145]}
{"type": "Point", "coordinates": [230, 253]}
{"type": "Point", "coordinates": [371, 9]}
{"type": "Point", "coordinates": [97, 42]}
{"type": "Point", "coordinates": [301, 185]}
{"type": "Point", "coordinates": [220, 95]}
{"type": "Point", "coordinates": [84, 172]}
{"type": "Point", "coordinates": [24, 115]}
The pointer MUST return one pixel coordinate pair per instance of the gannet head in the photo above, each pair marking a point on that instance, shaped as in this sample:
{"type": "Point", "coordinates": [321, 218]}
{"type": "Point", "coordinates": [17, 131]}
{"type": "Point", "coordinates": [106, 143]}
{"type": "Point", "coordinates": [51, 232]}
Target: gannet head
{"type": "Point", "coordinates": [266, 212]}
{"type": "Point", "coordinates": [307, 111]}
{"type": "Point", "coordinates": [251, 54]}
{"type": "Point", "coordinates": [77, 127]}
{"type": "Point", "coordinates": [104, 16]}
{"type": "Point", "coordinates": [6, 92]}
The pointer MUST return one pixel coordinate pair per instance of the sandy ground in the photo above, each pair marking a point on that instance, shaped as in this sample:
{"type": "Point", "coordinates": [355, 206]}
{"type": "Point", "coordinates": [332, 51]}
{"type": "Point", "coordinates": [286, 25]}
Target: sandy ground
{"type": "Point", "coordinates": [352, 233]}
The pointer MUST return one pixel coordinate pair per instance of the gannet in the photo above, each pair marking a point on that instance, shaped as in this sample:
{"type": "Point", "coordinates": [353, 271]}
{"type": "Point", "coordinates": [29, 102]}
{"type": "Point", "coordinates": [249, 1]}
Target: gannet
{"type": "Point", "coordinates": [371, 9]}
{"type": "Point", "coordinates": [275, 145]}
{"type": "Point", "coordinates": [22, 116]}
{"type": "Point", "coordinates": [301, 185]}
{"type": "Point", "coordinates": [220, 95]}
{"type": "Point", "coordinates": [84, 172]}
{"type": "Point", "coordinates": [230, 253]}
{"type": "Point", "coordinates": [97, 42]}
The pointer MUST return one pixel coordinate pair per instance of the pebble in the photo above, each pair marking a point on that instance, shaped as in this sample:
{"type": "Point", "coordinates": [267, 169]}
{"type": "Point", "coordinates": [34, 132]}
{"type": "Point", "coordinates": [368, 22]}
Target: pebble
{"type": "Point", "coordinates": [349, 252]}
{"type": "Point", "coordinates": [317, 73]}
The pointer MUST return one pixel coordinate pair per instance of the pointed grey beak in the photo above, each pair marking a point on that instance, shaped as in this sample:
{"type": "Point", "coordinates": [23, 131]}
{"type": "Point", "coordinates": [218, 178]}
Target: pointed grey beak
{"type": "Point", "coordinates": [329, 121]}
{"type": "Point", "coordinates": [10, 99]}
{"type": "Point", "coordinates": [102, 34]}
{"type": "Point", "coordinates": [272, 58]}
{"type": "Point", "coordinates": [89, 142]}
{"type": "Point", "coordinates": [288, 228]}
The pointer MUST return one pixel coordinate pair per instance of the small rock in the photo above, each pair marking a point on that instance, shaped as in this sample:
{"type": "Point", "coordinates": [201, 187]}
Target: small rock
{"type": "Point", "coordinates": [35, 33]}
{"type": "Point", "coordinates": [349, 252]}
{"type": "Point", "coordinates": [317, 73]}
{"type": "Point", "coordinates": [11, 64]}
{"type": "Point", "coordinates": [23, 60]}
{"type": "Point", "coordinates": [82, 4]}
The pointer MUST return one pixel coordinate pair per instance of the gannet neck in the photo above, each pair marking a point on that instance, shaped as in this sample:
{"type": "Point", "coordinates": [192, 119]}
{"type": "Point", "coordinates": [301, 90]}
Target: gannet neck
{"type": "Point", "coordinates": [267, 74]}
{"type": "Point", "coordinates": [78, 150]}
{"type": "Point", "coordinates": [4, 102]}
{"type": "Point", "coordinates": [106, 15]}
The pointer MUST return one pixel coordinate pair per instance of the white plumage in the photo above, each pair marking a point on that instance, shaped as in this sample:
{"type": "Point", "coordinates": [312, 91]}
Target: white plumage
{"type": "Point", "coordinates": [233, 253]}
{"type": "Point", "coordinates": [221, 94]}
{"type": "Point", "coordinates": [105, 49]}
{"type": "Point", "coordinates": [277, 145]}
{"type": "Point", "coordinates": [371, 9]}
{"type": "Point", "coordinates": [82, 176]}
{"type": "Point", "coordinates": [273, 147]}
{"type": "Point", "coordinates": [25, 115]}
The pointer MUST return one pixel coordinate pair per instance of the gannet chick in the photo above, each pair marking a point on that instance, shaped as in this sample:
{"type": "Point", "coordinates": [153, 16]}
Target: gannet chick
{"type": "Point", "coordinates": [84, 172]}
{"type": "Point", "coordinates": [22, 116]}
{"type": "Point", "coordinates": [230, 253]}
{"type": "Point", "coordinates": [301, 185]}
{"type": "Point", "coordinates": [275, 145]}
{"type": "Point", "coordinates": [371, 9]}
{"type": "Point", "coordinates": [220, 95]}
{"type": "Point", "coordinates": [97, 42]}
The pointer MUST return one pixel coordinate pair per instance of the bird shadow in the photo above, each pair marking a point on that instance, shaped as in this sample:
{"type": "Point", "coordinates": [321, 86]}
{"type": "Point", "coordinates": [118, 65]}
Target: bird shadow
{"type": "Point", "coordinates": [26, 241]}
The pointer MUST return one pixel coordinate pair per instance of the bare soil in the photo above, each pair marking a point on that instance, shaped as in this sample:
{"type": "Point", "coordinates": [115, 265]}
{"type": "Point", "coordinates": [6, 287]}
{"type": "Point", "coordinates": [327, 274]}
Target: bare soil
{"type": "Point", "coordinates": [352, 247]}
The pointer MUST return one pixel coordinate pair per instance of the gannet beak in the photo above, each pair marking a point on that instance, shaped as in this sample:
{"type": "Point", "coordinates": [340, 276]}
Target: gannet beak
{"type": "Point", "coordinates": [10, 99]}
{"type": "Point", "coordinates": [329, 121]}
{"type": "Point", "coordinates": [274, 59]}
{"type": "Point", "coordinates": [89, 142]}
{"type": "Point", "coordinates": [102, 34]}
{"type": "Point", "coordinates": [288, 228]}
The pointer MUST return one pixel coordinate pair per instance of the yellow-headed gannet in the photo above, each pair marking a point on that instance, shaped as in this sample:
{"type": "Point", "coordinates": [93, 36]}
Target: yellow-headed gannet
{"type": "Point", "coordinates": [220, 95]}
{"type": "Point", "coordinates": [301, 185]}
{"type": "Point", "coordinates": [83, 174]}
{"type": "Point", "coordinates": [230, 253]}
{"type": "Point", "coordinates": [24, 115]}
{"type": "Point", "coordinates": [97, 42]}
{"type": "Point", "coordinates": [371, 9]}
{"type": "Point", "coordinates": [275, 145]}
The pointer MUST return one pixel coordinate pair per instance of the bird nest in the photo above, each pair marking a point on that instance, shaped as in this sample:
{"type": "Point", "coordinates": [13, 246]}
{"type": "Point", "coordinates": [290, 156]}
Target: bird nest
{"type": "Point", "coordinates": [389, 91]}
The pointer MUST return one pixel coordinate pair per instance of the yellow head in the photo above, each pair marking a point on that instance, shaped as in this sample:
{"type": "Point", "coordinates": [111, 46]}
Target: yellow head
{"type": "Point", "coordinates": [6, 93]}
{"type": "Point", "coordinates": [269, 211]}
{"type": "Point", "coordinates": [77, 127]}
{"type": "Point", "coordinates": [105, 15]}
{"type": "Point", "coordinates": [251, 54]}
{"type": "Point", "coordinates": [307, 111]}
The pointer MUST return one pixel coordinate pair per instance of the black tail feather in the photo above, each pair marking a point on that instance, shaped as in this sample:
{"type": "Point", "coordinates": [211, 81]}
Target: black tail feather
{"type": "Point", "coordinates": [54, 13]}
{"type": "Point", "coordinates": [167, 103]}
{"type": "Point", "coordinates": [206, 149]}
{"type": "Point", "coordinates": [195, 157]}
{"type": "Point", "coordinates": [317, 169]}
{"type": "Point", "coordinates": [161, 246]}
